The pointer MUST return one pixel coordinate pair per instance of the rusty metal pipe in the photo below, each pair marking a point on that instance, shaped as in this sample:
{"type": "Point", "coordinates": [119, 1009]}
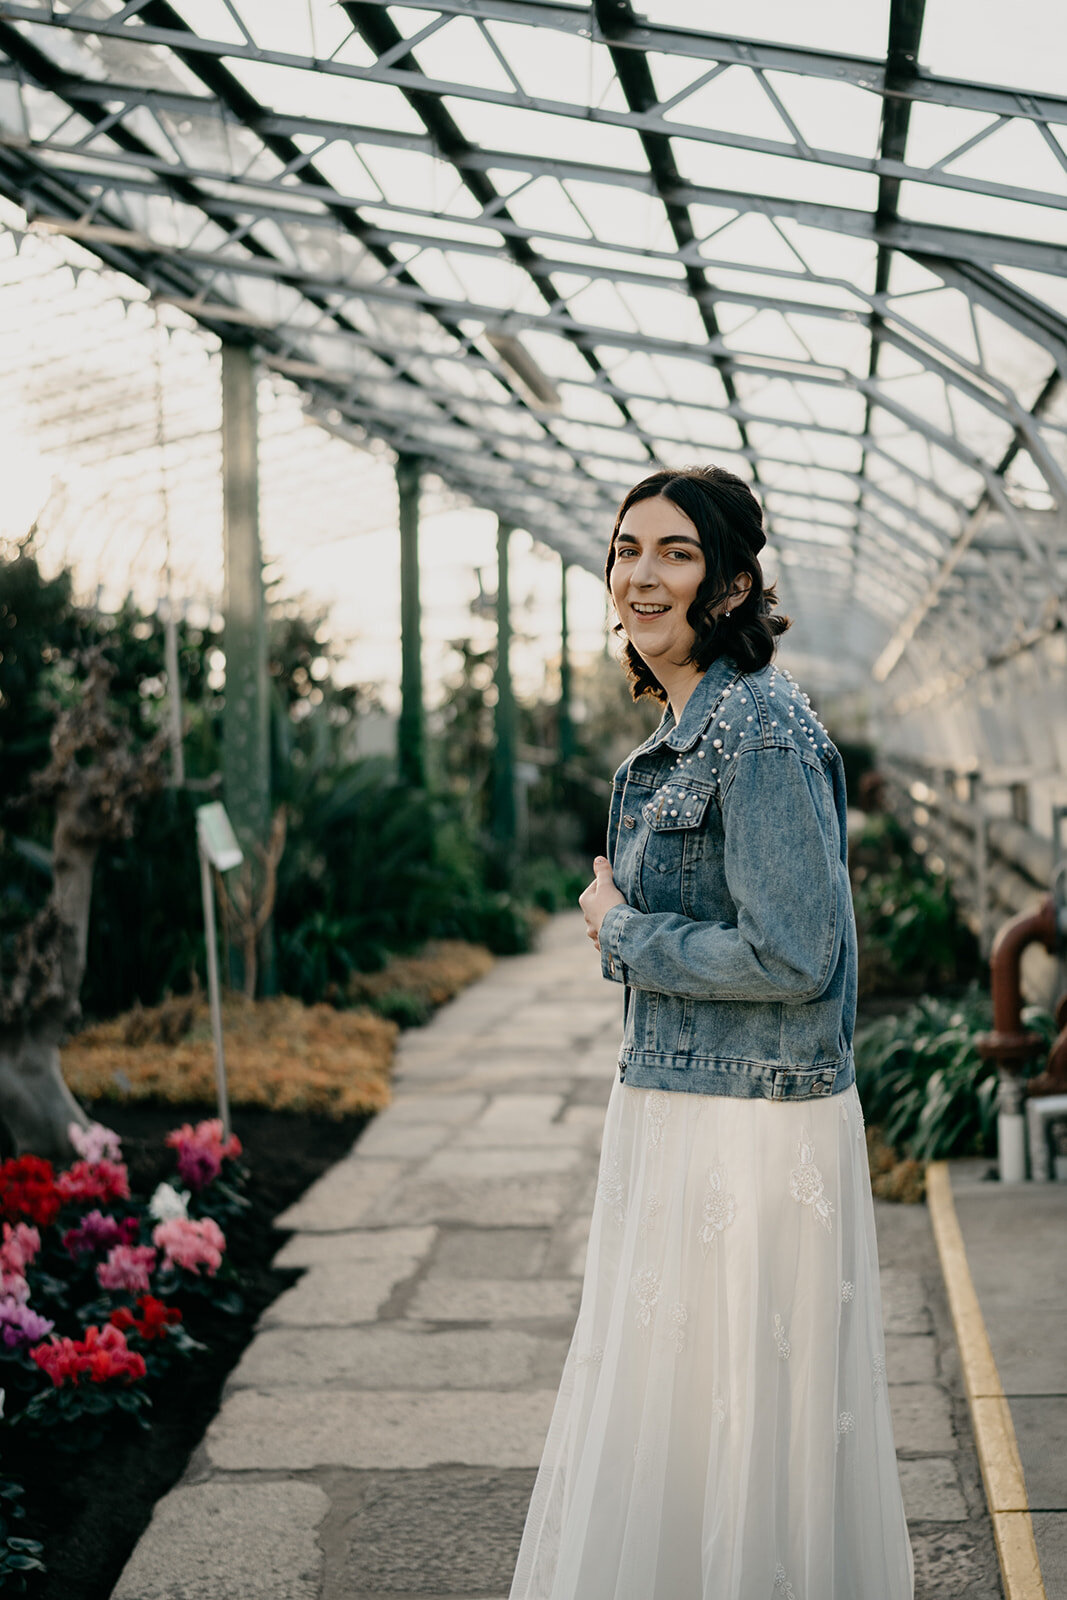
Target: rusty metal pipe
{"type": "Point", "coordinates": [1009, 1043]}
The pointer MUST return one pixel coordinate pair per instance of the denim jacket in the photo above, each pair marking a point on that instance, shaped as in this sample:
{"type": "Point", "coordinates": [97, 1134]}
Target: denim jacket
{"type": "Point", "coordinates": [736, 941]}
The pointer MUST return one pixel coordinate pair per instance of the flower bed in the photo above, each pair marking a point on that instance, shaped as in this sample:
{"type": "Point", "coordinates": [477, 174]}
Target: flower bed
{"type": "Point", "coordinates": [121, 1310]}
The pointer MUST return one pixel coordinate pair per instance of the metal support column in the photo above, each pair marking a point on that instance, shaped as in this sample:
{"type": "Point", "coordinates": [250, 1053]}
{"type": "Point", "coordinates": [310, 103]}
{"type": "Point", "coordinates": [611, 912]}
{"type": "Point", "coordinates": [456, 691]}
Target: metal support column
{"type": "Point", "coordinates": [246, 714]}
{"type": "Point", "coordinates": [566, 726]}
{"type": "Point", "coordinates": [505, 814]}
{"type": "Point", "coordinates": [411, 731]}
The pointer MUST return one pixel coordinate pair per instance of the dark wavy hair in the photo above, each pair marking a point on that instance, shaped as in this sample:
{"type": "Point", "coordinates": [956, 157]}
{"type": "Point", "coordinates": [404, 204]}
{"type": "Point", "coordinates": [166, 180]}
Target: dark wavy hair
{"type": "Point", "coordinates": [729, 521]}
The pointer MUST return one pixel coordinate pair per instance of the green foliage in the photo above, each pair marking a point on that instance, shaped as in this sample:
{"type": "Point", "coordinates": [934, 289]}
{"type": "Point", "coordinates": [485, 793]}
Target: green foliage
{"type": "Point", "coordinates": [18, 1557]}
{"type": "Point", "coordinates": [922, 1081]}
{"type": "Point", "coordinates": [77, 1417]}
{"type": "Point", "coordinates": [911, 935]}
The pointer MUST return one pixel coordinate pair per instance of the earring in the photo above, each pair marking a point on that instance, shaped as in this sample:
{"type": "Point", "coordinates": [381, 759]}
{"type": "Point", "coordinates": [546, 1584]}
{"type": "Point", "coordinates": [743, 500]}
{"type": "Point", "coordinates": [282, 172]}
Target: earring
{"type": "Point", "coordinates": [727, 610]}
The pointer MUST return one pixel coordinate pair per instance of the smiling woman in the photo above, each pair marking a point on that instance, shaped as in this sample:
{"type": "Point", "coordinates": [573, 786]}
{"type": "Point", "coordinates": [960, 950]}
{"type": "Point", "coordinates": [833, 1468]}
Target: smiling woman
{"type": "Point", "coordinates": [722, 1430]}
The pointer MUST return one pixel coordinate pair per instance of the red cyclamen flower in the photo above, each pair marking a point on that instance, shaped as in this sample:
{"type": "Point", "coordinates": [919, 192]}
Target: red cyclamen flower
{"type": "Point", "coordinates": [94, 1180]}
{"type": "Point", "coordinates": [102, 1354]}
{"type": "Point", "coordinates": [155, 1320]}
{"type": "Point", "coordinates": [28, 1191]}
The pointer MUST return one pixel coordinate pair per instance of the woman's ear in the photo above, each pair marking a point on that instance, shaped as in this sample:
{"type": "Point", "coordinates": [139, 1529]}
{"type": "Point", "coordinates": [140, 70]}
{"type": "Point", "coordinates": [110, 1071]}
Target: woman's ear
{"type": "Point", "coordinates": [740, 587]}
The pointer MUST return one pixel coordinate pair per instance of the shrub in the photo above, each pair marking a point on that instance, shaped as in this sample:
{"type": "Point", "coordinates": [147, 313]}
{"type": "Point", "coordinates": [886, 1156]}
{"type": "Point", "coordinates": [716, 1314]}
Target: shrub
{"type": "Point", "coordinates": [922, 1081]}
{"type": "Point", "coordinates": [911, 935]}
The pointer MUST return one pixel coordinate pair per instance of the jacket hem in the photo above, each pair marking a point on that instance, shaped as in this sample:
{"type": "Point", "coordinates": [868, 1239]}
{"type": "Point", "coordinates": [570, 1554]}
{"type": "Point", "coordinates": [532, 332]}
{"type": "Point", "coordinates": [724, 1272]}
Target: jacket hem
{"type": "Point", "coordinates": [736, 1078]}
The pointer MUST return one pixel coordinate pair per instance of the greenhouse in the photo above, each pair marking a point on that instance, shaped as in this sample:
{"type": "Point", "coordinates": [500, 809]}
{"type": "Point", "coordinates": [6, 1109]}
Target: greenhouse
{"type": "Point", "coordinates": [335, 336]}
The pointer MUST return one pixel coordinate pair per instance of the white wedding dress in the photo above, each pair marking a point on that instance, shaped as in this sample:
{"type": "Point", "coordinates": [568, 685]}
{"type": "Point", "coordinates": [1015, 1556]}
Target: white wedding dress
{"type": "Point", "coordinates": [722, 1427]}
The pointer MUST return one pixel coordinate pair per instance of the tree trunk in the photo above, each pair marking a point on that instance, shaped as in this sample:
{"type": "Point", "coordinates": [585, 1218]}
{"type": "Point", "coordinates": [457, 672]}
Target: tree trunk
{"type": "Point", "coordinates": [38, 1106]}
{"type": "Point", "coordinates": [39, 1004]}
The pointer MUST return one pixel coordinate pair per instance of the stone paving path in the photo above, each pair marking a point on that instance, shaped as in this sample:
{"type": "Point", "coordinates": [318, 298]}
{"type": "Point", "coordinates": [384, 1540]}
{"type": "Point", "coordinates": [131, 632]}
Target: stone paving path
{"type": "Point", "coordinates": [379, 1438]}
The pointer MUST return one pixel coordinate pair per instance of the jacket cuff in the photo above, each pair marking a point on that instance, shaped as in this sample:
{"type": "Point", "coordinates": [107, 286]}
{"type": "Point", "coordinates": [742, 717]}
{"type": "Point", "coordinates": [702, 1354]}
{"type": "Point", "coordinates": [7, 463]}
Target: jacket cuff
{"type": "Point", "coordinates": [611, 928]}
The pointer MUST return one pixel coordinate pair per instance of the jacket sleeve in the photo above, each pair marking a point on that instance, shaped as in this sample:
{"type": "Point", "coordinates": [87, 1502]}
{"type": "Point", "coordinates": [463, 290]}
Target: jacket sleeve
{"type": "Point", "coordinates": [785, 870]}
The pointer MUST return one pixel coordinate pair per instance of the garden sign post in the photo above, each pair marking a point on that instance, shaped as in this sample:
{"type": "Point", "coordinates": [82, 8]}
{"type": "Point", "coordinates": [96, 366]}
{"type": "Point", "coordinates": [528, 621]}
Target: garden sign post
{"type": "Point", "coordinates": [217, 847]}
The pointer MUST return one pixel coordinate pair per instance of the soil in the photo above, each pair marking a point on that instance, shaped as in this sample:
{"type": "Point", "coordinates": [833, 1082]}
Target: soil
{"type": "Point", "coordinates": [89, 1514]}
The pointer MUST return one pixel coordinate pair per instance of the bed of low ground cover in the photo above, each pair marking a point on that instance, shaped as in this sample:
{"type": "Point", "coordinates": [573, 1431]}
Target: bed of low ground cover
{"type": "Point", "coordinates": [88, 1507]}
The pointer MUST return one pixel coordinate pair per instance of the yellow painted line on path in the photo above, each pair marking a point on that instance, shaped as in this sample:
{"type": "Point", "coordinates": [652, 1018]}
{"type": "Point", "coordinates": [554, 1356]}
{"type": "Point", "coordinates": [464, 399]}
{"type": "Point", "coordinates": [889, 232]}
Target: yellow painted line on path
{"type": "Point", "coordinates": [994, 1433]}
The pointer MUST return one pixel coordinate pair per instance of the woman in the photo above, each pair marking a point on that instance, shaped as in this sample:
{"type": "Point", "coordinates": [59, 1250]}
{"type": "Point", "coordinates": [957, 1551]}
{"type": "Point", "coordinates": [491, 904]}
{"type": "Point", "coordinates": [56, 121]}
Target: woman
{"type": "Point", "coordinates": [722, 1428]}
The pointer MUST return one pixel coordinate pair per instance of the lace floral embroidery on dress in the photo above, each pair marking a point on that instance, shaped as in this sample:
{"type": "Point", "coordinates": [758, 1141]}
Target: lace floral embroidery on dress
{"type": "Point", "coordinates": [782, 1584]}
{"type": "Point", "coordinates": [677, 1316]}
{"type": "Point", "coordinates": [591, 1358]}
{"type": "Point", "coordinates": [645, 1286]}
{"type": "Point", "coordinates": [612, 1191]}
{"type": "Point", "coordinates": [650, 1210]}
{"type": "Point", "coordinates": [718, 1404]}
{"type": "Point", "coordinates": [806, 1185]}
{"type": "Point", "coordinates": [785, 1349]}
{"type": "Point", "coordinates": [720, 1207]}
{"type": "Point", "coordinates": [846, 1422]}
{"type": "Point", "coordinates": [848, 1291]}
{"type": "Point", "coordinates": [657, 1110]}
{"type": "Point", "coordinates": [878, 1366]}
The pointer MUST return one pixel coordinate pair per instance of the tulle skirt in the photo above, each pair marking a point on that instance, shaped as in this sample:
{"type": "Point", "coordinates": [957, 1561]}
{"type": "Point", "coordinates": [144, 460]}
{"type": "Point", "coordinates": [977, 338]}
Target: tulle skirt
{"type": "Point", "coordinates": [722, 1428]}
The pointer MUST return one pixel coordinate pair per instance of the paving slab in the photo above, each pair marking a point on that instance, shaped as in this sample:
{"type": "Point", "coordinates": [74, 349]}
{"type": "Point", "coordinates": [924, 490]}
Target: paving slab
{"type": "Point", "coordinates": [339, 1294]}
{"type": "Point", "coordinates": [494, 1299]}
{"type": "Point", "coordinates": [297, 1431]}
{"type": "Point", "coordinates": [904, 1303]}
{"type": "Point", "coordinates": [220, 1540]}
{"type": "Point", "coordinates": [922, 1417]}
{"type": "Point", "coordinates": [932, 1491]}
{"type": "Point", "coordinates": [450, 1531]}
{"type": "Point", "coordinates": [505, 1203]}
{"type": "Point", "coordinates": [910, 1358]}
{"type": "Point", "coordinates": [948, 1566]}
{"type": "Point", "coordinates": [395, 1357]}
{"type": "Point", "coordinates": [343, 1196]}
{"type": "Point", "coordinates": [355, 1245]}
{"type": "Point", "coordinates": [490, 1253]}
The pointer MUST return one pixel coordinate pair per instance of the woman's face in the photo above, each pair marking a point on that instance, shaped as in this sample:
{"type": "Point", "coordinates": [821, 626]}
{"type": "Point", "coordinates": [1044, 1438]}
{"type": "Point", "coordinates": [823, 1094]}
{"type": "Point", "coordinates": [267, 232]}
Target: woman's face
{"type": "Point", "coordinates": [659, 565]}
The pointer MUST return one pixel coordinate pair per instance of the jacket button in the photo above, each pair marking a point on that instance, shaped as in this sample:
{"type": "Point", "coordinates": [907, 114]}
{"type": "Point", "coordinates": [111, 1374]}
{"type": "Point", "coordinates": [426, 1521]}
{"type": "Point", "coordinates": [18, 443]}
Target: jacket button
{"type": "Point", "coordinates": [819, 1086]}
{"type": "Point", "coordinates": [628, 822]}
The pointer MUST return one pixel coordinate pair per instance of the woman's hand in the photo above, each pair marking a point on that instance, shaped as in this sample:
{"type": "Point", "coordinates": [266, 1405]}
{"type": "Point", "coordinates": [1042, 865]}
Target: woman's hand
{"type": "Point", "coordinates": [599, 897]}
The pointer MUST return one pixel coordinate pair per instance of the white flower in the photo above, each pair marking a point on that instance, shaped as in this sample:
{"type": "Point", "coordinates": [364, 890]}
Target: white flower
{"type": "Point", "coordinates": [95, 1143]}
{"type": "Point", "coordinates": [169, 1204]}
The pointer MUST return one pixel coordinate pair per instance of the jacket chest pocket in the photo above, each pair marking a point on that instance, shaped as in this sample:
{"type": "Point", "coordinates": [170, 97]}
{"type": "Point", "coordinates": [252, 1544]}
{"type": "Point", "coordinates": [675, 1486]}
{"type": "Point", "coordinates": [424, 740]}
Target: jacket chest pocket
{"type": "Point", "coordinates": [675, 846]}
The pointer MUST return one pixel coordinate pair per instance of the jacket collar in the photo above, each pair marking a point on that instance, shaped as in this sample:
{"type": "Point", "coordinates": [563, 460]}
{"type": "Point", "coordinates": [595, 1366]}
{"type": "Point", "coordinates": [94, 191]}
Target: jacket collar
{"type": "Point", "coordinates": [698, 709]}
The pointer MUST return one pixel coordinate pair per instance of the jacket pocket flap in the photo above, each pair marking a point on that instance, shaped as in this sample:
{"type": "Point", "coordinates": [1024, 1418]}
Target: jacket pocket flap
{"type": "Point", "coordinates": [676, 808]}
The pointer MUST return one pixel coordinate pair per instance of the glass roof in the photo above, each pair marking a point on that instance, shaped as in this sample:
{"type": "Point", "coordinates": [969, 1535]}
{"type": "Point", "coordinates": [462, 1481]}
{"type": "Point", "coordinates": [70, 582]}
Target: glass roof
{"type": "Point", "coordinates": [548, 246]}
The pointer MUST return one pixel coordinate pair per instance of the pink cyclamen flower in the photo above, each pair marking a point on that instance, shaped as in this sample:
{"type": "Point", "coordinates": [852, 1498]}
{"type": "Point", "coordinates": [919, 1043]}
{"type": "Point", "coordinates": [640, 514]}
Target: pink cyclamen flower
{"type": "Point", "coordinates": [97, 1231]}
{"type": "Point", "coordinates": [14, 1286]}
{"type": "Point", "coordinates": [95, 1143]}
{"type": "Point", "coordinates": [127, 1267]}
{"type": "Point", "coordinates": [20, 1244]}
{"type": "Point", "coordinates": [19, 1326]}
{"type": "Point", "coordinates": [202, 1150]}
{"type": "Point", "coordinates": [191, 1244]}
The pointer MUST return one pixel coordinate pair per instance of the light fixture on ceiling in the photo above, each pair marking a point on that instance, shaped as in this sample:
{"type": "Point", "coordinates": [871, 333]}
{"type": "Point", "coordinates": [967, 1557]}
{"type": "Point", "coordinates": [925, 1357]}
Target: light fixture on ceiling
{"type": "Point", "coordinates": [536, 386]}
